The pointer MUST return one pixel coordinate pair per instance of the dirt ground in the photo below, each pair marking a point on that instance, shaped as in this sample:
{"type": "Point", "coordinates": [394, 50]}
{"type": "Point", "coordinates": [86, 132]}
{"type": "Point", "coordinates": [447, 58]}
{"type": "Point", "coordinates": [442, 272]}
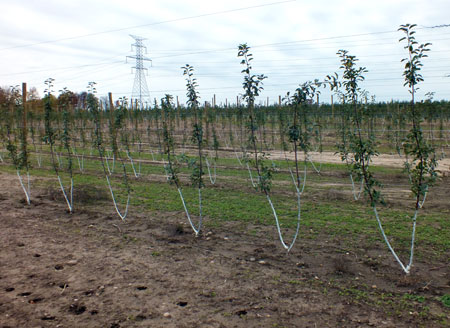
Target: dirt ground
{"type": "Point", "coordinates": [89, 269]}
{"type": "Point", "coordinates": [381, 159]}
{"type": "Point", "coordinates": [334, 158]}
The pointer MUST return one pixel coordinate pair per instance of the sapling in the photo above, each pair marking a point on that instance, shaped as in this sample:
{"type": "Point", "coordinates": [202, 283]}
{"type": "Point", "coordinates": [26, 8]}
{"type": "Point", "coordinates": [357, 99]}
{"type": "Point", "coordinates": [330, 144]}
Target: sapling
{"type": "Point", "coordinates": [2, 133]}
{"type": "Point", "coordinates": [299, 133]}
{"type": "Point", "coordinates": [272, 130]}
{"type": "Point", "coordinates": [252, 86]}
{"type": "Point", "coordinates": [441, 132]}
{"type": "Point", "coordinates": [299, 136]}
{"type": "Point", "coordinates": [361, 148]}
{"type": "Point", "coordinates": [233, 134]}
{"type": "Point", "coordinates": [115, 124]}
{"type": "Point", "coordinates": [282, 127]}
{"type": "Point", "coordinates": [214, 147]}
{"type": "Point", "coordinates": [150, 131]}
{"type": "Point", "coordinates": [356, 149]}
{"type": "Point", "coordinates": [80, 127]}
{"type": "Point", "coordinates": [171, 168]}
{"type": "Point", "coordinates": [126, 142]}
{"type": "Point", "coordinates": [241, 126]}
{"type": "Point", "coordinates": [196, 164]}
{"type": "Point", "coordinates": [345, 136]}
{"type": "Point", "coordinates": [51, 136]}
{"type": "Point", "coordinates": [4, 117]}
{"type": "Point", "coordinates": [184, 118]}
{"type": "Point", "coordinates": [317, 130]}
{"type": "Point", "coordinates": [399, 126]}
{"type": "Point", "coordinates": [135, 139]}
{"type": "Point", "coordinates": [19, 155]}
{"type": "Point", "coordinates": [422, 168]}
{"type": "Point", "coordinates": [65, 102]}
{"type": "Point", "coordinates": [157, 112]}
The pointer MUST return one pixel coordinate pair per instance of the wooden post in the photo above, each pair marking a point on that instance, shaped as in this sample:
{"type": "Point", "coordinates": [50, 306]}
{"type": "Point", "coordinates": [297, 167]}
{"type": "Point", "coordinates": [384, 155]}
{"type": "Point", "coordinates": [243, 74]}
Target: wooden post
{"type": "Point", "coordinates": [237, 101]}
{"type": "Point", "coordinates": [332, 107]}
{"type": "Point", "coordinates": [267, 104]}
{"type": "Point", "coordinates": [279, 101]}
{"type": "Point", "coordinates": [226, 102]}
{"type": "Point", "coordinates": [214, 100]}
{"type": "Point", "coordinates": [111, 104]}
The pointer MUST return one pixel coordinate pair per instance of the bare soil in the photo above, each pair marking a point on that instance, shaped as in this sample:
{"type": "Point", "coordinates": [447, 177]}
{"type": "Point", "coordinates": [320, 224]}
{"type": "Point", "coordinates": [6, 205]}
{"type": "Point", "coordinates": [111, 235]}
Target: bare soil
{"type": "Point", "coordinates": [382, 159]}
{"type": "Point", "coordinates": [89, 269]}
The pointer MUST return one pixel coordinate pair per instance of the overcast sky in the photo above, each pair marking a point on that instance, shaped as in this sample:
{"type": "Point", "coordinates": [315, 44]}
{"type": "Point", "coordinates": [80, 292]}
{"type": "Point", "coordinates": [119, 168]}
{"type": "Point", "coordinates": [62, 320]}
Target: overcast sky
{"type": "Point", "coordinates": [76, 42]}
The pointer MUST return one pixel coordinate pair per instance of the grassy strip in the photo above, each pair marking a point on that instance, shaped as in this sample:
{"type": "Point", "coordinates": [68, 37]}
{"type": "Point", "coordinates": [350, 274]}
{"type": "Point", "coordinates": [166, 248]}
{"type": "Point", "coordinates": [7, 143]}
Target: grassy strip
{"type": "Point", "coordinates": [347, 222]}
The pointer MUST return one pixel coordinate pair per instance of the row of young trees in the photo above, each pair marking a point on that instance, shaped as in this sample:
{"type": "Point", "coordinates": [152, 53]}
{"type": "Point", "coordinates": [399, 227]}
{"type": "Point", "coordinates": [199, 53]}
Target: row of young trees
{"type": "Point", "coordinates": [248, 131]}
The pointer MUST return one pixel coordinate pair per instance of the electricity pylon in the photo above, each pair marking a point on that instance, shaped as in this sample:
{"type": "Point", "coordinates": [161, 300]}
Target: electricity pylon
{"type": "Point", "coordinates": [140, 89]}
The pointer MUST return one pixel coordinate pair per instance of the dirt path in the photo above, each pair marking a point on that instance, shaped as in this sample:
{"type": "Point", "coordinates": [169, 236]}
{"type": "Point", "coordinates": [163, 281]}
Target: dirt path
{"type": "Point", "coordinates": [382, 159]}
{"type": "Point", "coordinates": [90, 269]}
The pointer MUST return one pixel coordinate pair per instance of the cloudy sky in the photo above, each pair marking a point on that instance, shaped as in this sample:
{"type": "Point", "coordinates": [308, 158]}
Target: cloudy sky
{"type": "Point", "coordinates": [76, 42]}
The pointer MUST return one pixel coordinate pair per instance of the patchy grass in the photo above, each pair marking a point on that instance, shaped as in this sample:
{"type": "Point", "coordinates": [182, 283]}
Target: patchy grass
{"type": "Point", "coordinates": [341, 219]}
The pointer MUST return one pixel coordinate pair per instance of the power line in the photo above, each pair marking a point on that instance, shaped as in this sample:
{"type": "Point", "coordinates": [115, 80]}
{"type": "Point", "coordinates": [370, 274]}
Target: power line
{"type": "Point", "coordinates": [437, 26]}
{"type": "Point", "coordinates": [286, 43]}
{"type": "Point", "coordinates": [305, 43]}
{"type": "Point", "coordinates": [255, 46]}
{"type": "Point", "coordinates": [149, 24]}
{"type": "Point", "coordinates": [62, 68]}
